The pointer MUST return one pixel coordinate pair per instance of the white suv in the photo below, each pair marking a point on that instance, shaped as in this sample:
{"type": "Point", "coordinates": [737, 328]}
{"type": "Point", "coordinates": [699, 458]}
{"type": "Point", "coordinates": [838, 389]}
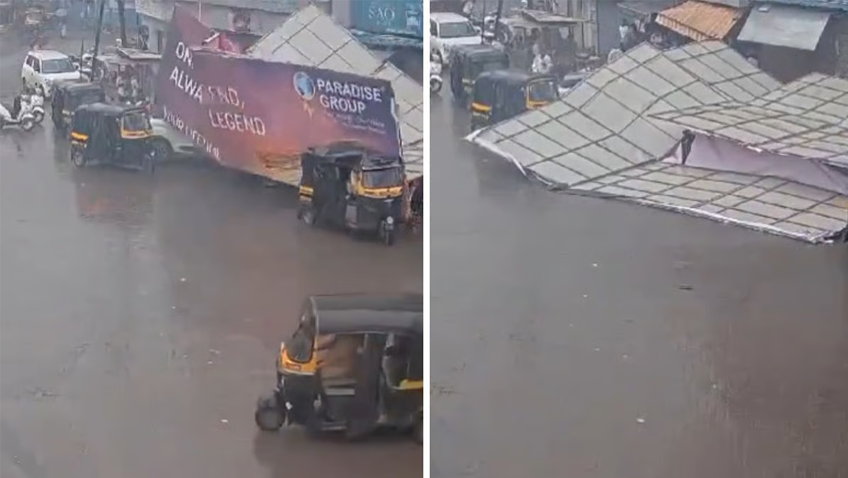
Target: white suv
{"type": "Point", "coordinates": [448, 30]}
{"type": "Point", "coordinates": [43, 67]}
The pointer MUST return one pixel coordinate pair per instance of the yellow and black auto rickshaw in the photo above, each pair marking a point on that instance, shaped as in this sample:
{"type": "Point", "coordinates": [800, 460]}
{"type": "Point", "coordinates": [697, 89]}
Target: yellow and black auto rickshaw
{"type": "Point", "coordinates": [502, 94]}
{"type": "Point", "coordinates": [355, 364]}
{"type": "Point", "coordinates": [68, 96]}
{"type": "Point", "coordinates": [112, 134]}
{"type": "Point", "coordinates": [348, 186]}
{"type": "Point", "coordinates": [468, 62]}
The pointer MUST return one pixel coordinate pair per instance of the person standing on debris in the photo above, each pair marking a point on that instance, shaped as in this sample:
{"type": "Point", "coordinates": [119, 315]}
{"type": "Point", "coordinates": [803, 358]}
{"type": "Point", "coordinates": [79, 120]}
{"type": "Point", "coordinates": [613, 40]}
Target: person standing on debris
{"type": "Point", "coordinates": [468, 8]}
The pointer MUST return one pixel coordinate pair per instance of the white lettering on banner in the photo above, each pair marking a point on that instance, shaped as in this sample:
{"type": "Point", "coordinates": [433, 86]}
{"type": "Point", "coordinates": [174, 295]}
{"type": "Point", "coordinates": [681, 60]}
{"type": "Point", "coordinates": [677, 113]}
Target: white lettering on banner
{"type": "Point", "coordinates": [350, 90]}
{"type": "Point", "coordinates": [346, 97]}
{"type": "Point", "coordinates": [343, 105]}
{"type": "Point", "coordinates": [192, 133]}
{"type": "Point", "coordinates": [237, 122]}
{"type": "Point", "coordinates": [183, 53]}
{"type": "Point", "coordinates": [187, 84]}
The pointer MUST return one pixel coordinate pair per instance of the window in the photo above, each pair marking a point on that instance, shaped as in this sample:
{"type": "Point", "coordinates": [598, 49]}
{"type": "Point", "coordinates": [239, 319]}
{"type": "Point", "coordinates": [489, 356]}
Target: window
{"type": "Point", "coordinates": [457, 30]}
{"type": "Point", "coordinates": [136, 122]}
{"type": "Point", "coordinates": [58, 65]}
{"type": "Point", "coordinates": [300, 346]}
{"type": "Point", "coordinates": [434, 28]}
{"type": "Point", "coordinates": [35, 66]}
{"type": "Point", "coordinates": [240, 19]}
{"type": "Point", "coordinates": [542, 91]}
{"type": "Point", "coordinates": [382, 178]}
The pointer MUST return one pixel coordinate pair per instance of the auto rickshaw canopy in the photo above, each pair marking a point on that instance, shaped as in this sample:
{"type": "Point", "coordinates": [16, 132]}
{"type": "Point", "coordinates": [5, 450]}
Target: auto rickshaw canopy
{"type": "Point", "coordinates": [349, 155]}
{"type": "Point", "coordinates": [475, 59]}
{"type": "Point", "coordinates": [75, 93]}
{"type": "Point", "coordinates": [364, 313]}
{"type": "Point", "coordinates": [508, 83]}
{"type": "Point", "coordinates": [102, 118]}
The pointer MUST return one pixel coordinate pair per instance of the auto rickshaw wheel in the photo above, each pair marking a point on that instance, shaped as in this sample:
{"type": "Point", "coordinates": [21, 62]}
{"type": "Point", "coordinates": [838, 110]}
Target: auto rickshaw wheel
{"type": "Point", "coordinates": [307, 215]}
{"type": "Point", "coordinates": [148, 163]}
{"type": "Point", "coordinates": [269, 415]}
{"type": "Point", "coordinates": [418, 430]}
{"type": "Point", "coordinates": [28, 124]}
{"type": "Point", "coordinates": [388, 234]}
{"type": "Point", "coordinates": [78, 157]}
{"type": "Point", "coordinates": [163, 150]}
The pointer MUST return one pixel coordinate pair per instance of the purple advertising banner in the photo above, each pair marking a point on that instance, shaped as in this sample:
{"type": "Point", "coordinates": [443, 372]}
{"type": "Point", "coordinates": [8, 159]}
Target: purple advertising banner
{"type": "Point", "coordinates": [259, 116]}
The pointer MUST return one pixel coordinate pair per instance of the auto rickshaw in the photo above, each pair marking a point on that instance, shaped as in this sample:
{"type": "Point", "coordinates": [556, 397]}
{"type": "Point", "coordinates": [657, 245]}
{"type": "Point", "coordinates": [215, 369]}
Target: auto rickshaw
{"type": "Point", "coordinates": [355, 364]}
{"type": "Point", "coordinates": [467, 62]}
{"type": "Point", "coordinates": [502, 94]}
{"type": "Point", "coordinates": [112, 134]}
{"type": "Point", "coordinates": [68, 96]}
{"type": "Point", "coordinates": [345, 185]}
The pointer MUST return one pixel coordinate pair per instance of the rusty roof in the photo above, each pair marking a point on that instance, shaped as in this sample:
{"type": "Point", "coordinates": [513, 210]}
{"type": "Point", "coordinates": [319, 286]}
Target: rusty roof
{"type": "Point", "coordinates": [700, 21]}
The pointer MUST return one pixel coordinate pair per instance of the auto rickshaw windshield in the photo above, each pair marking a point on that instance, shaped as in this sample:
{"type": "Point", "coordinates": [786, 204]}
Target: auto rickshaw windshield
{"type": "Point", "coordinates": [457, 30]}
{"type": "Point", "coordinates": [84, 99]}
{"type": "Point", "coordinates": [382, 178]}
{"type": "Point", "coordinates": [474, 69]}
{"type": "Point", "coordinates": [136, 122]}
{"type": "Point", "coordinates": [58, 65]}
{"type": "Point", "coordinates": [542, 91]}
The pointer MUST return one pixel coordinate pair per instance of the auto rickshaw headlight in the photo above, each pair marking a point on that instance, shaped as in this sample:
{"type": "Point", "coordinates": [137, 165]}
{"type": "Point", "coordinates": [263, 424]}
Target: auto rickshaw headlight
{"type": "Point", "coordinates": [390, 220]}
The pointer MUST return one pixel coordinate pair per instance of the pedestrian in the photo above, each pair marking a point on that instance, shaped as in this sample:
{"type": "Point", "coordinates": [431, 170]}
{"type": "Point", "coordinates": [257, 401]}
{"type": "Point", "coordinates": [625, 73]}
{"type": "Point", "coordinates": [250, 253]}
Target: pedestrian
{"type": "Point", "coordinates": [624, 34]}
{"type": "Point", "coordinates": [536, 67]}
{"type": "Point", "coordinates": [547, 63]}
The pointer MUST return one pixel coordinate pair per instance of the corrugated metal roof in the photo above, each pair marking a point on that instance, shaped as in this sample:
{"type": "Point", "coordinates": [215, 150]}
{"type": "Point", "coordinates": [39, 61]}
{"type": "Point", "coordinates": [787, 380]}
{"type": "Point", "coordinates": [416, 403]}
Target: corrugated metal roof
{"type": "Point", "coordinates": [838, 5]}
{"type": "Point", "coordinates": [700, 21]}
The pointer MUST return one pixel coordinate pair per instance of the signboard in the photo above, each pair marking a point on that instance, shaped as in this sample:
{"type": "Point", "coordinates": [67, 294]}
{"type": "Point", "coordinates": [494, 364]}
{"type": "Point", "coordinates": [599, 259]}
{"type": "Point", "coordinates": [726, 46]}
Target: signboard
{"type": "Point", "coordinates": [258, 116]}
{"type": "Point", "coordinates": [396, 17]}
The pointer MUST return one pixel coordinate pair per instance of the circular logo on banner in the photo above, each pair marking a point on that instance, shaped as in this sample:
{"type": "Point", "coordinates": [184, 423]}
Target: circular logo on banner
{"type": "Point", "coordinates": [304, 85]}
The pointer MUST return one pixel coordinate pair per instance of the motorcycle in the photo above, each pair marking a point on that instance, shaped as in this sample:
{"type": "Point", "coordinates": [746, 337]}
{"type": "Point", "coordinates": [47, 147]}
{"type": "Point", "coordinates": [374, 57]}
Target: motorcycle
{"type": "Point", "coordinates": [435, 76]}
{"type": "Point", "coordinates": [24, 119]}
{"type": "Point", "coordinates": [34, 104]}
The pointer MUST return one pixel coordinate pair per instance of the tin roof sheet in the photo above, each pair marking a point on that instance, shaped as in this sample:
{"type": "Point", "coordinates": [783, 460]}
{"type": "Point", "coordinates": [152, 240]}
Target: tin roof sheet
{"type": "Point", "coordinates": [700, 21]}
{"type": "Point", "coordinates": [607, 135]}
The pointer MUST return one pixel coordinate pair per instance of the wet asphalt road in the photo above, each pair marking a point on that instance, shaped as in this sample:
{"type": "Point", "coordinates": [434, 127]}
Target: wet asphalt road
{"type": "Point", "coordinates": [582, 338]}
{"type": "Point", "coordinates": [141, 318]}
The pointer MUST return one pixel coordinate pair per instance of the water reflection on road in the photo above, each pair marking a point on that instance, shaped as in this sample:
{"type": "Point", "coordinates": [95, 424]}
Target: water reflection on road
{"type": "Point", "coordinates": [588, 338]}
{"type": "Point", "coordinates": [141, 318]}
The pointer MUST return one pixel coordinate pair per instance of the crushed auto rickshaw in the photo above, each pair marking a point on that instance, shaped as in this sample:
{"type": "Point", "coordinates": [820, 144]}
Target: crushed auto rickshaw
{"type": "Point", "coordinates": [468, 62]}
{"type": "Point", "coordinates": [354, 365]}
{"type": "Point", "coordinates": [346, 185]}
{"type": "Point", "coordinates": [502, 94]}
{"type": "Point", "coordinates": [112, 134]}
{"type": "Point", "coordinates": [70, 95]}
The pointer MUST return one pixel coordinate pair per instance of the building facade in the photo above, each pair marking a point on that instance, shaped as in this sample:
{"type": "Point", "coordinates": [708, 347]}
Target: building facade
{"type": "Point", "coordinates": [792, 38]}
{"type": "Point", "coordinates": [250, 18]}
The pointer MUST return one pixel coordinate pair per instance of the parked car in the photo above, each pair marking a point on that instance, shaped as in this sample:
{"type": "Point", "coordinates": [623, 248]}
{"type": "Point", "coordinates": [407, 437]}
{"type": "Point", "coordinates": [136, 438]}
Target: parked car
{"type": "Point", "coordinates": [42, 68]}
{"type": "Point", "coordinates": [172, 143]}
{"type": "Point", "coordinates": [448, 30]}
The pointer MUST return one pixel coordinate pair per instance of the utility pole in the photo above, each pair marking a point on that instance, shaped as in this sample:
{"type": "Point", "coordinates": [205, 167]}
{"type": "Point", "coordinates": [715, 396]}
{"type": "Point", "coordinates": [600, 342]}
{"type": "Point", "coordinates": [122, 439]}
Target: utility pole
{"type": "Point", "coordinates": [498, 19]}
{"type": "Point", "coordinates": [122, 21]}
{"type": "Point", "coordinates": [97, 39]}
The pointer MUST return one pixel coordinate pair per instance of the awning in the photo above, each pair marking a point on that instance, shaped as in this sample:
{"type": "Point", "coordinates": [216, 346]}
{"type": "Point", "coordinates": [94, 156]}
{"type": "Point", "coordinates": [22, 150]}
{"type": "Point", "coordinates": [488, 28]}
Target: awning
{"type": "Point", "coordinates": [700, 21]}
{"type": "Point", "coordinates": [645, 8]}
{"type": "Point", "coordinates": [785, 26]}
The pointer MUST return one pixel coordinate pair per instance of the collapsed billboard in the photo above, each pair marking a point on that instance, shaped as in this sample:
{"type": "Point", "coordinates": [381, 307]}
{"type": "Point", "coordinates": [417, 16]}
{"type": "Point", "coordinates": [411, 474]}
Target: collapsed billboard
{"type": "Point", "coordinates": [258, 116]}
